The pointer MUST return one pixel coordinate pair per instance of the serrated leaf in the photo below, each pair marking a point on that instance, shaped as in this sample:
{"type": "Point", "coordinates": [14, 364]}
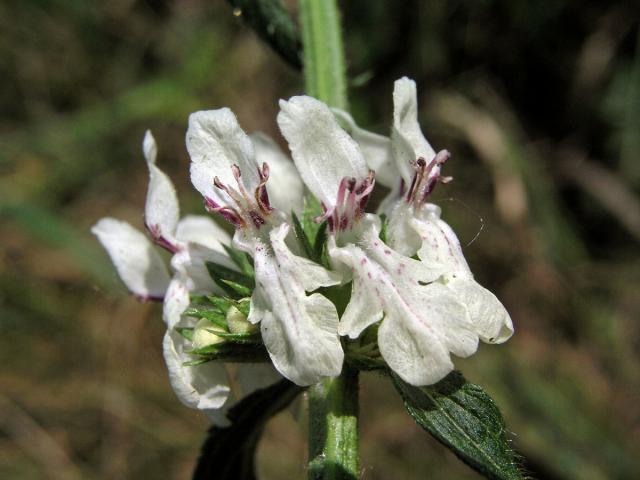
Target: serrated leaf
{"type": "Point", "coordinates": [241, 259]}
{"type": "Point", "coordinates": [228, 453]}
{"type": "Point", "coordinates": [461, 416]}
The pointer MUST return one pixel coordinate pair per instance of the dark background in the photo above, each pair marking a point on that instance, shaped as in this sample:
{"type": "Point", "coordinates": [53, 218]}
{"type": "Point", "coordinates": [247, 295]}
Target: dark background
{"type": "Point", "coordinates": [539, 102]}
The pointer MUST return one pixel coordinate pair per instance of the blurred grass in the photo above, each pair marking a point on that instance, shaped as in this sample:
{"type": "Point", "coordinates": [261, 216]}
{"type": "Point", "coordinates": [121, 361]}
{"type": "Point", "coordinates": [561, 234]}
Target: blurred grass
{"type": "Point", "coordinates": [515, 90]}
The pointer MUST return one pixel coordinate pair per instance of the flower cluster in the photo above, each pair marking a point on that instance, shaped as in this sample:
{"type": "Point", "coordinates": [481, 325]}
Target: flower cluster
{"type": "Point", "coordinates": [411, 284]}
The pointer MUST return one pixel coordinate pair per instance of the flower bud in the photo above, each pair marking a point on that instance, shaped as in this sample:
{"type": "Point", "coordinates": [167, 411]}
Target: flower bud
{"type": "Point", "coordinates": [203, 336]}
{"type": "Point", "coordinates": [238, 323]}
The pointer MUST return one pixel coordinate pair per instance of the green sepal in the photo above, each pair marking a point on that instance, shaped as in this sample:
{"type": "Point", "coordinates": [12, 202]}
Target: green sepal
{"type": "Point", "coordinates": [383, 229]}
{"type": "Point", "coordinates": [237, 337]}
{"type": "Point", "coordinates": [195, 363]}
{"type": "Point", "coordinates": [236, 290]}
{"type": "Point", "coordinates": [228, 453]}
{"type": "Point", "coordinates": [319, 246]}
{"type": "Point", "coordinates": [235, 284]}
{"type": "Point", "coordinates": [234, 352]}
{"type": "Point", "coordinates": [244, 305]}
{"type": "Point", "coordinates": [303, 238]}
{"type": "Point", "coordinates": [213, 316]}
{"type": "Point", "coordinates": [221, 303]}
{"type": "Point", "coordinates": [186, 332]}
{"type": "Point", "coordinates": [462, 417]}
{"type": "Point", "coordinates": [241, 259]}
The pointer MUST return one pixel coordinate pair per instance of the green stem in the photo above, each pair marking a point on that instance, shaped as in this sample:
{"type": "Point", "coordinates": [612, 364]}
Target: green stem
{"type": "Point", "coordinates": [323, 53]}
{"type": "Point", "coordinates": [333, 427]}
{"type": "Point", "coordinates": [333, 403]}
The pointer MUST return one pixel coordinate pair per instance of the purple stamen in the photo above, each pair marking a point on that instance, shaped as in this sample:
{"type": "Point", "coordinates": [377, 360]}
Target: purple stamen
{"type": "Point", "coordinates": [426, 178]}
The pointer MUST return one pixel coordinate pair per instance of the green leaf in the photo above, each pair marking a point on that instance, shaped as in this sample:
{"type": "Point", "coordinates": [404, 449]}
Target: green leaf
{"type": "Point", "coordinates": [271, 21]}
{"type": "Point", "coordinates": [228, 453]}
{"type": "Point", "coordinates": [461, 416]}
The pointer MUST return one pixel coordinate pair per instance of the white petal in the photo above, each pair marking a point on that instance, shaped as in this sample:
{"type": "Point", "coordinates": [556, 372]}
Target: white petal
{"type": "Point", "coordinates": [413, 351]}
{"type": "Point", "coordinates": [149, 147]}
{"type": "Point", "coordinates": [255, 376]}
{"type": "Point", "coordinates": [161, 210]}
{"type": "Point", "coordinates": [389, 202]}
{"type": "Point", "coordinates": [375, 148]}
{"type": "Point", "coordinates": [441, 249]}
{"type": "Point", "coordinates": [298, 330]}
{"type": "Point", "coordinates": [191, 260]}
{"type": "Point", "coordinates": [137, 262]}
{"type": "Point", "coordinates": [487, 315]}
{"type": "Point", "coordinates": [204, 387]}
{"type": "Point", "coordinates": [365, 306]}
{"type": "Point", "coordinates": [420, 316]}
{"type": "Point", "coordinates": [322, 151]}
{"type": "Point", "coordinates": [176, 300]}
{"type": "Point", "coordinates": [405, 236]}
{"type": "Point", "coordinates": [215, 143]}
{"type": "Point", "coordinates": [440, 245]}
{"type": "Point", "coordinates": [202, 230]}
{"type": "Point", "coordinates": [407, 141]}
{"type": "Point", "coordinates": [285, 188]}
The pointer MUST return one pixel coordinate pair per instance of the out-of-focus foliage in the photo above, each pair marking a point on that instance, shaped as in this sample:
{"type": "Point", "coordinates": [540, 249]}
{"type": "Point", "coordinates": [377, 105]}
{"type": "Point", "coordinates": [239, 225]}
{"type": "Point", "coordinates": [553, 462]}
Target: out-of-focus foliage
{"type": "Point", "coordinates": [539, 102]}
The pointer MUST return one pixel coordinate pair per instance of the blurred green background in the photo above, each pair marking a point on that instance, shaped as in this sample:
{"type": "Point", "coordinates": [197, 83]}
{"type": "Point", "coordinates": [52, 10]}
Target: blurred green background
{"type": "Point", "coordinates": [539, 102]}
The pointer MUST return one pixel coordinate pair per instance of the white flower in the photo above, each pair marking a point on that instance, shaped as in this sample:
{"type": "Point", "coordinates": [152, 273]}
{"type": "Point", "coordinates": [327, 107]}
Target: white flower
{"type": "Point", "coordinates": [192, 241]}
{"type": "Point", "coordinates": [298, 330]}
{"type": "Point", "coordinates": [428, 308]}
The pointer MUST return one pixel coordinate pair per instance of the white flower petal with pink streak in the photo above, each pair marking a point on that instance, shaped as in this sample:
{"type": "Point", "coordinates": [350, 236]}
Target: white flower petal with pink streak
{"type": "Point", "coordinates": [135, 258]}
{"type": "Point", "coordinates": [322, 151]}
{"type": "Point", "coordinates": [162, 211]}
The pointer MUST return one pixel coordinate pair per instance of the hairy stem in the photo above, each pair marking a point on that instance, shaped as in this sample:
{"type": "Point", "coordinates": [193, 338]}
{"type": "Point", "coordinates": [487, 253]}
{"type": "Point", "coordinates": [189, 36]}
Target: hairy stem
{"type": "Point", "coordinates": [333, 427]}
{"type": "Point", "coordinates": [323, 53]}
{"type": "Point", "coordinates": [333, 403]}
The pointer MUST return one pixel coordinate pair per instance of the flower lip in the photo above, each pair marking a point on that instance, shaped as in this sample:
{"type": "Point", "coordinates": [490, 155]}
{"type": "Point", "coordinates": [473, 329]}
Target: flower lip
{"type": "Point", "coordinates": [246, 207]}
{"type": "Point", "coordinates": [426, 177]}
{"type": "Point", "coordinates": [351, 200]}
